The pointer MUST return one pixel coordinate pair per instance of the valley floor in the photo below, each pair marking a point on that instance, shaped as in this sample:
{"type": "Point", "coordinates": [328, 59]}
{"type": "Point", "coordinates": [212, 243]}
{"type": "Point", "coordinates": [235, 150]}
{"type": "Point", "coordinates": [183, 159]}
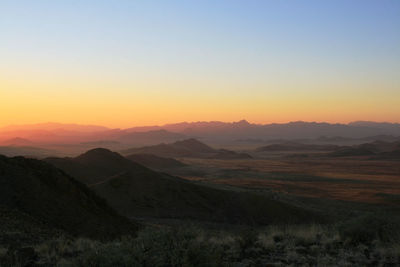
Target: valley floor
{"type": "Point", "coordinates": [349, 179]}
{"type": "Point", "coordinates": [359, 198]}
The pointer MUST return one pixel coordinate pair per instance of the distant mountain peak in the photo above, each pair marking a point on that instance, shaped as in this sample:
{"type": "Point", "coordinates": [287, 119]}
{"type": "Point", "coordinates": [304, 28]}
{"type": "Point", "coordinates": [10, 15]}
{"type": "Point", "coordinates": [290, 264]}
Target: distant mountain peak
{"type": "Point", "coordinates": [17, 141]}
{"type": "Point", "coordinates": [242, 123]}
{"type": "Point", "coordinates": [189, 141]}
{"type": "Point", "coordinates": [372, 124]}
{"type": "Point", "coordinates": [97, 153]}
{"type": "Point", "coordinates": [193, 145]}
{"type": "Point", "coordinates": [99, 150]}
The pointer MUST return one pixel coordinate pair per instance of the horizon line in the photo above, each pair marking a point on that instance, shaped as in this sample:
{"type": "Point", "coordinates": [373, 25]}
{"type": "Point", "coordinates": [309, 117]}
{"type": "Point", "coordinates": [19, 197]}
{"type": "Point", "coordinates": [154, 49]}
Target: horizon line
{"type": "Point", "coordinates": [191, 122]}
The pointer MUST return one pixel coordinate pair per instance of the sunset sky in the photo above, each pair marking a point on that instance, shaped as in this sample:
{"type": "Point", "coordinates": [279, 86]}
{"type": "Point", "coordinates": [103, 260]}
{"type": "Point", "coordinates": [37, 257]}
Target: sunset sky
{"type": "Point", "coordinates": [127, 63]}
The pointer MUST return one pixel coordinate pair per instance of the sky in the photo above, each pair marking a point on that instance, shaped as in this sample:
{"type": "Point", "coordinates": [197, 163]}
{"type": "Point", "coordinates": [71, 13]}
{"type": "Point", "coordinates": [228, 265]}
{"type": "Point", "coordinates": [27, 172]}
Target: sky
{"type": "Point", "coordinates": [129, 63]}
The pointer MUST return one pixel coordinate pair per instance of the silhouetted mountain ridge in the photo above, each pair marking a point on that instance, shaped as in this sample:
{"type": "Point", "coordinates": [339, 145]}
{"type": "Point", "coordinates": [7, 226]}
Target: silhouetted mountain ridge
{"type": "Point", "coordinates": [17, 141]}
{"type": "Point", "coordinates": [27, 151]}
{"type": "Point", "coordinates": [95, 165]}
{"type": "Point", "coordinates": [376, 149]}
{"type": "Point", "coordinates": [187, 148]}
{"type": "Point", "coordinates": [212, 131]}
{"type": "Point", "coordinates": [216, 130]}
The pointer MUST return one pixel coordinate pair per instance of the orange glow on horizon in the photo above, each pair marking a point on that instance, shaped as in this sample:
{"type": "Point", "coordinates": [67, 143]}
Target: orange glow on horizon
{"type": "Point", "coordinates": [122, 64]}
{"type": "Point", "coordinates": [123, 104]}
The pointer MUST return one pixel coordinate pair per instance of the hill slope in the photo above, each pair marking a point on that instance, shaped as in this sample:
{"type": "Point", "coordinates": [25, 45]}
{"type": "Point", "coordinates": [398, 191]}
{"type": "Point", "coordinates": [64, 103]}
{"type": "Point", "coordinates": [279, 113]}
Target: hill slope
{"type": "Point", "coordinates": [155, 162]}
{"type": "Point", "coordinates": [49, 195]}
{"type": "Point", "coordinates": [99, 164]}
{"type": "Point", "coordinates": [377, 149]}
{"type": "Point", "coordinates": [187, 148]}
{"type": "Point", "coordinates": [171, 198]}
{"type": "Point", "coordinates": [134, 190]}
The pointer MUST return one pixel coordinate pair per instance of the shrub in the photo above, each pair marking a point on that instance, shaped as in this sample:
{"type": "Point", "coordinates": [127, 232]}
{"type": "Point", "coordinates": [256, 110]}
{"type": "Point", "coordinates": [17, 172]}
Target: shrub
{"type": "Point", "coordinates": [162, 247]}
{"type": "Point", "coordinates": [183, 245]}
{"type": "Point", "coordinates": [367, 228]}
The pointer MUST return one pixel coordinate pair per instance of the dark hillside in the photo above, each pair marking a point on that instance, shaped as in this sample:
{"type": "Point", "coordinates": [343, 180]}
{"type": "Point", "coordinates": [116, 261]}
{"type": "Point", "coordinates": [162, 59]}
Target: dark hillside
{"type": "Point", "coordinates": [175, 198]}
{"type": "Point", "coordinates": [51, 196]}
{"type": "Point", "coordinates": [155, 162]}
{"type": "Point", "coordinates": [98, 164]}
{"type": "Point", "coordinates": [134, 190]}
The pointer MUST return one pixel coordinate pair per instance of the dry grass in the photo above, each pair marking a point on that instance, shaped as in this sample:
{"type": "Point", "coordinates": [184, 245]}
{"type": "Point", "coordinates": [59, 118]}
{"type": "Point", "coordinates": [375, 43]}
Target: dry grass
{"type": "Point", "coordinates": [301, 245]}
{"type": "Point", "coordinates": [298, 234]}
{"type": "Point", "coordinates": [3, 251]}
{"type": "Point", "coordinates": [350, 179]}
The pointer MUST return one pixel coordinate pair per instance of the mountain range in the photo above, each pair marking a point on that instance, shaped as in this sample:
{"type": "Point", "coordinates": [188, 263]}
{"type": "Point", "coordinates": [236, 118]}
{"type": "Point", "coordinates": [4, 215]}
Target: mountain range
{"type": "Point", "coordinates": [299, 129]}
{"type": "Point", "coordinates": [379, 150]}
{"type": "Point", "coordinates": [213, 129]}
{"type": "Point", "coordinates": [71, 139]}
{"type": "Point", "coordinates": [376, 150]}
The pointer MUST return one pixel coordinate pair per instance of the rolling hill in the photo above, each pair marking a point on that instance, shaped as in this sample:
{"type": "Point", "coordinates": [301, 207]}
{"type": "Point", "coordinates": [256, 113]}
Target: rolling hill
{"type": "Point", "coordinates": [36, 190]}
{"type": "Point", "coordinates": [136, 191]}
{"type": "Point", "coordinates": [376, 149]}
{"type": "Point", "coordinates": [155, 162]}
{"type": "Point", "coordinates": [99, 164]}
{"type": "Point", "coordinates": [187, 148]}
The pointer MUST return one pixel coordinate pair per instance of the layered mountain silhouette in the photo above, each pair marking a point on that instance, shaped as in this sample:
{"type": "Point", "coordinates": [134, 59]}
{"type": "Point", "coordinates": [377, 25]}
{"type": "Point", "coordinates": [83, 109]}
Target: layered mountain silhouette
{"type": "Point", "coordinates": [151, 137]}
{"type": "Point", "coordinates": [45, 133]}
{"type": "Point", "coordinates": [22, 147]}
{"type": "Point", "coordinates": [29, 151]}
{"type": "Point", "coordinates": [98, 164]}
{"type": "Point", "coordinates": [187, 148]}
{"type": "Point", "coordinates": [216, 130]}
{"type": "Point", "coordinates": [136, 191]}
{"type": "Point", "coordinates": [377, 149]}
{"type": "Point", "coordinates": [17, 141]}
{"type": "Point", "coordinates": [212, 132]}
{"type": "Point", "coordinates": [36, 191]}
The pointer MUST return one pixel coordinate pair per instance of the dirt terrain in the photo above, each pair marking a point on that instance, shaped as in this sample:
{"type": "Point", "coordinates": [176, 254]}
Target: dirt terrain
{"type": "Point", "coordinates": [350, 179]}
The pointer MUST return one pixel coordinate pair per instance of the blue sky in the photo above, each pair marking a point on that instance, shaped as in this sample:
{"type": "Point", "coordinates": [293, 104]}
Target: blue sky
{"type": "Point", "coordinates": [230, 50]}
